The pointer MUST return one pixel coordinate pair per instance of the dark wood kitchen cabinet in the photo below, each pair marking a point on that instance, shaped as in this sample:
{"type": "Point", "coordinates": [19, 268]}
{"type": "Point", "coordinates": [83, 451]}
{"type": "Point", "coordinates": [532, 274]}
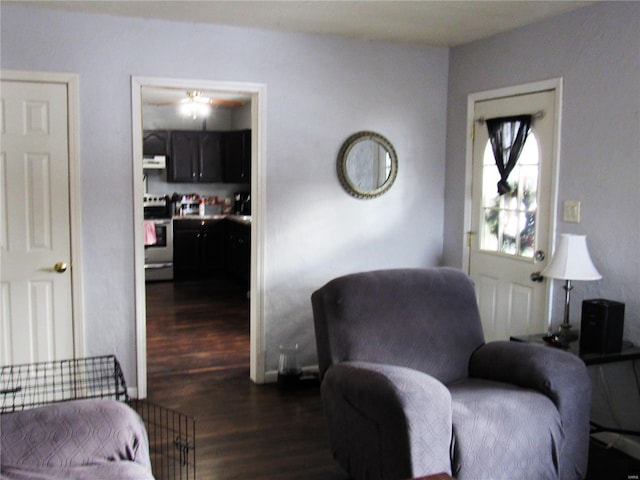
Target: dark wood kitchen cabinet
{"type": "Point", "coordinates": [156, 142]}
{"type": "Point", "coordinates": [198, 247]}
{"type": "Point", "coordinates": [183, 162]}
{"type": "Point", "coordinates": [195, 157]}
{"type": "Point", "coordinates": [238, 251]}
{"type": "Point", "coordinates": [211, 153]}
{"type": "Point", "coordinates": [237, 158]}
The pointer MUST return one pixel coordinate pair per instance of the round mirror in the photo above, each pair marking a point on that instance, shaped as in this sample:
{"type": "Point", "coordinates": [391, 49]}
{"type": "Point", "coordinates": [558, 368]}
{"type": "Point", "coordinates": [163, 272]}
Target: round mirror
{"type": "Point", "coordinates": [367, 165]}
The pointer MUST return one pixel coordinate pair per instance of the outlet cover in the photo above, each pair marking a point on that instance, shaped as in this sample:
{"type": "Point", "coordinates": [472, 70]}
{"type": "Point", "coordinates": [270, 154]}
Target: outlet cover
{"type": "Point", "coordinates": [572, 211]}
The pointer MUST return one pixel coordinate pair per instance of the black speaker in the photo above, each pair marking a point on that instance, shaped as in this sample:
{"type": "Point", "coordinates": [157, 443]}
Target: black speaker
{"type": "Point", "coordinates": [601, 327]}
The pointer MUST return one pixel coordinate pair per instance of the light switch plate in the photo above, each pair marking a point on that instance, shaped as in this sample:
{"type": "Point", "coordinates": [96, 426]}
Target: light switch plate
{"type": "Point", "coordinates": [572, 211]}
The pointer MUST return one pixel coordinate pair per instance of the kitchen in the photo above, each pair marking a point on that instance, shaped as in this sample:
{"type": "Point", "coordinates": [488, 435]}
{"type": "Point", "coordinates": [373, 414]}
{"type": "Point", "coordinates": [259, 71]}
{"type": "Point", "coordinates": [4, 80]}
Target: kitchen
{"type": "Point", "coordinates": [197, 213]}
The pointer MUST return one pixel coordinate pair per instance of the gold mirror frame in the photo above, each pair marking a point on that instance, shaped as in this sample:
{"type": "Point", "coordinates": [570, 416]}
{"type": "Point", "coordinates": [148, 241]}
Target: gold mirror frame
{"type": "Point", "coordinates": [349, 183]}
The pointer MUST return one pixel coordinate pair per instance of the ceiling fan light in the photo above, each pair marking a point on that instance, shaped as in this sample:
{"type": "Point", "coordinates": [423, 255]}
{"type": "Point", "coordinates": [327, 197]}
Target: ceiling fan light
{"type": "Point", "coordinates": [195, 106]}
{"type": "Point", "coordinates": [204, 109]}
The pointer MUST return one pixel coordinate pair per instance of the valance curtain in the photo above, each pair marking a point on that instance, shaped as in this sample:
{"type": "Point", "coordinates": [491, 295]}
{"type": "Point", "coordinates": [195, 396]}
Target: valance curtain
{"type": "Point", "coordinates": [507, 136]}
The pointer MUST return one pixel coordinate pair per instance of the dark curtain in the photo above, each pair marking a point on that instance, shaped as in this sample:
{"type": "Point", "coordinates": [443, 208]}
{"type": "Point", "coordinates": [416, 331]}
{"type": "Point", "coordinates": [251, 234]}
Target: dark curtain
{"type": "Point", "coordinates": [507, 135]}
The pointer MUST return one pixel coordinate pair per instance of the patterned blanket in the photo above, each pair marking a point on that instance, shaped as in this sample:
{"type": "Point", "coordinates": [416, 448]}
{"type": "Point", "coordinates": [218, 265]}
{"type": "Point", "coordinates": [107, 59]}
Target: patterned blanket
{"type": "Point", "coordinates": [97, 439]}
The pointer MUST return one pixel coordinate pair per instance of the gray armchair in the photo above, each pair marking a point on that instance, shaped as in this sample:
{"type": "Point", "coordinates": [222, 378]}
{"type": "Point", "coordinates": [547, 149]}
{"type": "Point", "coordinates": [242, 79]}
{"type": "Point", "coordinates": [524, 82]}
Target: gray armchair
{"type": "Point", "coordinates": [410, 388]}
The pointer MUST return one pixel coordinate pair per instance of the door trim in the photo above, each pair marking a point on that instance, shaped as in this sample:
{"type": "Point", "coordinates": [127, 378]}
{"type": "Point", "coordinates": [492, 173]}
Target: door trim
{"type": "Point", "coordinates": [258, 215]}
{"type": "Point", "coordinates": [528, 88]}
{"type": "Point", "coordinates": [71, 81]}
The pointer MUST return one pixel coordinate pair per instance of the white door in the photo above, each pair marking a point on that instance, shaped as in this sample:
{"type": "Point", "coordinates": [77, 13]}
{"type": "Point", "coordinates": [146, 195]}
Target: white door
{"type": "Point", "coordinates": [36, 320]}
{"type": "Point", "coordinates": [510, 233]}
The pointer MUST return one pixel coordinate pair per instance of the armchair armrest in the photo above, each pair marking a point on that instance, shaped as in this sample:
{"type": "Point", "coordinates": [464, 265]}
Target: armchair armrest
{"type": "Point", "coordinates": [387, 421]}
{"type": "Point", "coordinates": [559, 375]}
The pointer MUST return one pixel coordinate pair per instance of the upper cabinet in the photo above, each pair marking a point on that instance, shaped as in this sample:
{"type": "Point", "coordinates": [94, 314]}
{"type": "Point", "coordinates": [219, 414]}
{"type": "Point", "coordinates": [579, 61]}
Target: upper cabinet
{"type": "Point", "coordinates": [202, 156]}
{"type": "Point", "coordinates": [237, 160]}
{"type": "Point", "coordinates": [210, 166]}
{"type": "Point", "coordinates": [195, 157]}
{"type": "Point", "coordinates": [156, 142]}
{"type": "Point", "coordinates": [184, 158]}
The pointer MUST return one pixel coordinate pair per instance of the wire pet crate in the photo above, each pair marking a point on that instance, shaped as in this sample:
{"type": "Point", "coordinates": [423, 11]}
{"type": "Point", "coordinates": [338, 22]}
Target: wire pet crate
{"type": "Point", "coordinates": [171, 433]}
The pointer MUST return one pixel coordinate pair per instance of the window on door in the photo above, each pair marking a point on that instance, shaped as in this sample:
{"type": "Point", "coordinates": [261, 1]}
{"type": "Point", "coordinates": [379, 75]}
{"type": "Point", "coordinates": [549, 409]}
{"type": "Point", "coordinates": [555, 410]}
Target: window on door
{"type": "Point", "coordinates": [509, 221]}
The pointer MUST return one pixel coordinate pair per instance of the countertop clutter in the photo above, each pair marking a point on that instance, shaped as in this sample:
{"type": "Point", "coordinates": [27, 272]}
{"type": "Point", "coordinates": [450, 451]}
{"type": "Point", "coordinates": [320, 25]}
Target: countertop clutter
{"type": "Point", "coordinates": [194, 204]}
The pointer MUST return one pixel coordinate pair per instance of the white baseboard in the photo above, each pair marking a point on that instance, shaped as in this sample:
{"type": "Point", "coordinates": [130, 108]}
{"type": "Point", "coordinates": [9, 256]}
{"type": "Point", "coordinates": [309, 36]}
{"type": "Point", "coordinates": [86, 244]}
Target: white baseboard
{"type": "Point", "coordinates": [626, 444]}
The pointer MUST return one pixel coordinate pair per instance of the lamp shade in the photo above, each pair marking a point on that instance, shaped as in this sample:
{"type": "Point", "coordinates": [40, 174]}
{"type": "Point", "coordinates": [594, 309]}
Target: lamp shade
{"type": "Point", "coordinates": [571, 260]}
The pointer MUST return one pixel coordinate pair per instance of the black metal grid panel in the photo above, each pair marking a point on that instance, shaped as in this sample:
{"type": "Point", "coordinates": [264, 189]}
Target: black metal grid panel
{"type": "Point", "coordinates": [37, 384]}
{"type": "Point", "coordinates": [171, 434]}
{"type": "Point", "coordinates": [172, 438]}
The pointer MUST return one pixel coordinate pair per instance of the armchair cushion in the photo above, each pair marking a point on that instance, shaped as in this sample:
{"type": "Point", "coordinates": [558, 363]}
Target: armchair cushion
{"type": "Point", "coordinates": [494, 421]}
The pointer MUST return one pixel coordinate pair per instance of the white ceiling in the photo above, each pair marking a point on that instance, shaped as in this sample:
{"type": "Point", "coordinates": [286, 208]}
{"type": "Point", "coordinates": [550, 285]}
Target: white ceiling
{"type": "Point", "coordinates": [437, 23]}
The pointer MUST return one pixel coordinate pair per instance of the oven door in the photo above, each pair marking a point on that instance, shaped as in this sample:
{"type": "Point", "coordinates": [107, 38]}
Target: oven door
{"type": "Point", "coordinates": [158, 258]}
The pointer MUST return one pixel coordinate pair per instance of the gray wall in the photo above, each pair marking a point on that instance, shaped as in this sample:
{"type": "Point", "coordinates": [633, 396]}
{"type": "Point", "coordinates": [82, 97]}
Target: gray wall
{"type": "Point", "coordinates": [320, 90]}
{"type": "Point", "coordinates": [596, 50]}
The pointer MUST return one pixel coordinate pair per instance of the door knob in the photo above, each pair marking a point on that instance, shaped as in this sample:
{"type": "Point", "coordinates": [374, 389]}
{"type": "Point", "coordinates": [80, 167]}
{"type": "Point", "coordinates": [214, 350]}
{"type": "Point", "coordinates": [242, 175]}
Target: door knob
{"type": "Point", "coordinates": [60, 267]}
{"type": "Point", "coordinates": [536, 277]}
{"type": "Point", "coordinates": [539, 255]}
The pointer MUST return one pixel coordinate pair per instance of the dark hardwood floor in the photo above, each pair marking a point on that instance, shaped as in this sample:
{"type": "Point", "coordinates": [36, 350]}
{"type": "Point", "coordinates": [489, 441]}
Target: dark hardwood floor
{"type": "Point", "coordinates": [198, 363]}
{"type": "Point", "coordinates": [197, 327]}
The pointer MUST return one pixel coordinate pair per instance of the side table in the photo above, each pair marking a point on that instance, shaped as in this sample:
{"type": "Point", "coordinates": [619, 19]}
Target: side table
{"type": "Point", "coordinates": [628, 353]}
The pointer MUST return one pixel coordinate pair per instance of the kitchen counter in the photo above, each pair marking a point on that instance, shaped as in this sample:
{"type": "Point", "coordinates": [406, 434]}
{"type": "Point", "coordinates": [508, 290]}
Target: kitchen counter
{"type": "Point", "coordinates": [243, 219]}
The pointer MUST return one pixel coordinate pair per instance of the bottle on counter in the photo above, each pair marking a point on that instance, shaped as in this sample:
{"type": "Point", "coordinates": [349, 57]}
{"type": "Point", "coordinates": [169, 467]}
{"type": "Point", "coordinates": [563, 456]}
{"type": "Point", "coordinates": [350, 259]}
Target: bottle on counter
{"type": "Point", "coordinates": [227, 206]}
{"type": "Point", "coordinates": [202, 207]}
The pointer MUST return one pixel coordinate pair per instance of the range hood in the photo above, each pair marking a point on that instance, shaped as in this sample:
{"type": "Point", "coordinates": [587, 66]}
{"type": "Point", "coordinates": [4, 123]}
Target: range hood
{"type": "Point", "coordinates": [158, 162]}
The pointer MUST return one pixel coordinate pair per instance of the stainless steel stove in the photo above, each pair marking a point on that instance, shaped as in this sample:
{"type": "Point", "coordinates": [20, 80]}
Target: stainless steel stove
{"type": "Point", "coordinates": [158, 254]}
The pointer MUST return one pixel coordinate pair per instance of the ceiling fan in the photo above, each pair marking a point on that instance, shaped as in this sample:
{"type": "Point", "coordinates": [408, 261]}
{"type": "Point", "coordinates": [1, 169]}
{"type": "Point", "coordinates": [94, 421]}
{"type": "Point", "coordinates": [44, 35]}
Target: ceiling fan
{"type": "Point", "coordinates": [196, 104]}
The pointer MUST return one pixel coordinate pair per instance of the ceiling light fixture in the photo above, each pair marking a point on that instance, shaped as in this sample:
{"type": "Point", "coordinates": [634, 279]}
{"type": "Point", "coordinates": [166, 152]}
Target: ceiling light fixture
{"type": "Point", "coordinates": [195, 105]}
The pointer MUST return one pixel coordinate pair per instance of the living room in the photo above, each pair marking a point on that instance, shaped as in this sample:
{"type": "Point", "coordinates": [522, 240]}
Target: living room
{"type": "Point", "coordinates": [320, 89]}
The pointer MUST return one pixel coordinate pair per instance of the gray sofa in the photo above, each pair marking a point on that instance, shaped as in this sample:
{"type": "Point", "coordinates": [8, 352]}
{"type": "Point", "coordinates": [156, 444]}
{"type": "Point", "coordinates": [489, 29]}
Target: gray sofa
{"type": "Point", "coordinates": [410, 387]}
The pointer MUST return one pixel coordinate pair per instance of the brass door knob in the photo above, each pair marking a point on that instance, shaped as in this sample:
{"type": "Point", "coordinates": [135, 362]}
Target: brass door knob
{"type": "Point", "coordinates": [536, 277]}
{"type": "Point", "coordinates": [60, 267]}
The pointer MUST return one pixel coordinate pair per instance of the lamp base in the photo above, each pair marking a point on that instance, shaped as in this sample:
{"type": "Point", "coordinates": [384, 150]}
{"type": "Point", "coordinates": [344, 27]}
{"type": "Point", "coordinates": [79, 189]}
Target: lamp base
{"type": "Point", "coordinates": [562, 339]}
{"type": "Point", "coordinates": [566, 334]}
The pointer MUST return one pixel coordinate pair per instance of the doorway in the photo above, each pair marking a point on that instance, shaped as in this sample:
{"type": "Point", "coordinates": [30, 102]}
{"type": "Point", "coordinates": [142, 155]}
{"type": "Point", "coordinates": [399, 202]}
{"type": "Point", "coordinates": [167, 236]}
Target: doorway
{"type": "Point", "coordinates": [510, 233]}
{"type": "Point", "coordinates": [256, 95]}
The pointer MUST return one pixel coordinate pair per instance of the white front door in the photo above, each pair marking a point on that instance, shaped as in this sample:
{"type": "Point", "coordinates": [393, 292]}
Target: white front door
{"type": "Point", "coordinates": [36, 318]}
{"type": "Point", "coordinates": [510, 233]}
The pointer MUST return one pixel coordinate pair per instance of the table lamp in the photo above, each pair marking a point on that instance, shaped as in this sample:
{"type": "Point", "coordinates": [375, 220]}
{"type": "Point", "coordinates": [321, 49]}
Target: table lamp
{"type": "Point", "coordinates": [571, 261]}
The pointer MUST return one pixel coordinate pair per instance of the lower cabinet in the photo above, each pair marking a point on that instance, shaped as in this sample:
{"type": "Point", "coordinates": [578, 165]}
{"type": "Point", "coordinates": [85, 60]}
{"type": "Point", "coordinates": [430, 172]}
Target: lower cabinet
{"type": "Point", "coordinates": [207, 247]}
{"type": "Point", "coordinates": [238, 251]}
{"type": "Point", "coordinates": [198, 248]}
